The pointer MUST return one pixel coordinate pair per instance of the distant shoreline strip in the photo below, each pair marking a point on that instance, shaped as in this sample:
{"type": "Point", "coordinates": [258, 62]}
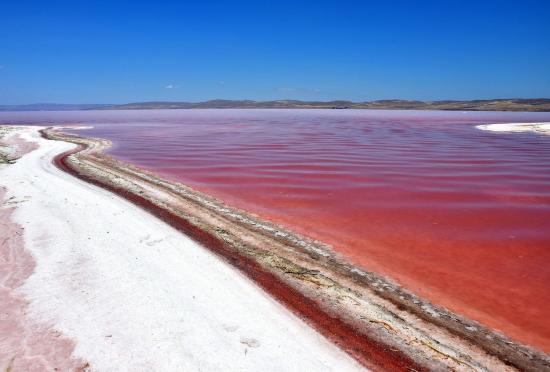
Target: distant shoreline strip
{"type": "Point", "coordinates": [503, 104]}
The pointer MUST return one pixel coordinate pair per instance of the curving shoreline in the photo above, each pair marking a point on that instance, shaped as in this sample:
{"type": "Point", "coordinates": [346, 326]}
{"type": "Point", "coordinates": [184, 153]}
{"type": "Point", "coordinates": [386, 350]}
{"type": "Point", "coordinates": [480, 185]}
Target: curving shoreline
{"type": "Point", "coordinates": [371, 353]}
{"type": "Point", "coordinates": [128, 291]}
{"type": "Point", "coordinates": [380, 324]}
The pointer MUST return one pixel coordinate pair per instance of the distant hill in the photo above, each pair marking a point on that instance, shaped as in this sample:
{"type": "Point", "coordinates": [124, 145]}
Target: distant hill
{"type": "Point", "coordinates": [51, 107]}
{"type": "Point", "coordinates": [541, 104]}
{"type": "Point", "coordinates": [538, 104]}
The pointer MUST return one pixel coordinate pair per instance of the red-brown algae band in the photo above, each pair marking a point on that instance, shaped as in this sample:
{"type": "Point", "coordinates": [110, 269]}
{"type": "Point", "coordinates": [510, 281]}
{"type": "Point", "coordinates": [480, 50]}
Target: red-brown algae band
{"type": "Point", "coordinates": [252, 269]}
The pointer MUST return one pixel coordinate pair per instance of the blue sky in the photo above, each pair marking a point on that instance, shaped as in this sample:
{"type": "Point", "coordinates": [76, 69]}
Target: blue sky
{"type": "Point", "coordinates": [117, 51]}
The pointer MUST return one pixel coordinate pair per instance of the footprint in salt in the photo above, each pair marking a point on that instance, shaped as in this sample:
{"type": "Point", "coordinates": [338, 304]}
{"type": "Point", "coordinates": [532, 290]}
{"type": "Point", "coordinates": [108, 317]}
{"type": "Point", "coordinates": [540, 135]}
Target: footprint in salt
{"type": "Point", "coordinates": [145, 238]}
{"type": "Point", "coordinates": [149, 241]}
{"type": "Point", "coordinates": [250, 342]}
{"type": "Point", "coordinates": [230, 328]}
{"type": "Point", "coordinates": [153, 242]}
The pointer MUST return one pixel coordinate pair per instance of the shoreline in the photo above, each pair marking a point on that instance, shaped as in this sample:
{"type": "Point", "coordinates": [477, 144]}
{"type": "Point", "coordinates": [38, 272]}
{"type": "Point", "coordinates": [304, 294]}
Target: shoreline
{"type": "Point", "coordinates": [129, 292]}
{"type": "Point", "coordinates": [381, 325]}
{"type": "Point", "coordinates": [380, 315]}
{"type": "Point", "coordinates": [370, 353]}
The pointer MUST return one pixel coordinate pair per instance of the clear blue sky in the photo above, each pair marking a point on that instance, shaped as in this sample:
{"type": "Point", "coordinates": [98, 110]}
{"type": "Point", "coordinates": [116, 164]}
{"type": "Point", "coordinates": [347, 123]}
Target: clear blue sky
{"type": "Point", "coordinates": [117, 51]}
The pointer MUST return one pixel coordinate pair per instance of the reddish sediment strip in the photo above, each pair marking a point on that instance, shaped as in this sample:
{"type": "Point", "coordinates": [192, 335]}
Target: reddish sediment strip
{"type": "Point", "coordinates": [403, 332]}
{"type": "Point", "coordinates": [25, 345]}
{"type": "Point", "coordinates": [369, 352]}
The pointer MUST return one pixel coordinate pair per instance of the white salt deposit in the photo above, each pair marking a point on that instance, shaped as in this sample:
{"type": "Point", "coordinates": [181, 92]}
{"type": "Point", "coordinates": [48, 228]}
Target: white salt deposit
{"type": "Point", "coordinates": [542, 128]}
{"type": "Point", "coordinates": [134, 294]}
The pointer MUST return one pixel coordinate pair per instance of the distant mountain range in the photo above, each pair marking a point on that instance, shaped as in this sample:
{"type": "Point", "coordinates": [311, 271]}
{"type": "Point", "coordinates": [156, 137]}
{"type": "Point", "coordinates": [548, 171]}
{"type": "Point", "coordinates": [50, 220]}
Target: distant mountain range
{"type": "Point", "coordinates": [538, 104]}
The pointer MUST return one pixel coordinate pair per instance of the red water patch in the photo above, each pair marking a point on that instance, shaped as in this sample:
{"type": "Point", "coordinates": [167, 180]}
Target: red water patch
{"type": "Point", "coordinates": [458, 215]}
{"type": "Point", "coordinates": [24, 344]}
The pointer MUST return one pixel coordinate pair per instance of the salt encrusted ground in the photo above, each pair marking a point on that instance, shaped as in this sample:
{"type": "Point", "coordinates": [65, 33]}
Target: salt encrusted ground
{"type": "Point", "coordinates": [542, 128]}
{"type": "Point", "coordinates": [25, 345]}
{"type": "Point", "coordinates": [131, 293]}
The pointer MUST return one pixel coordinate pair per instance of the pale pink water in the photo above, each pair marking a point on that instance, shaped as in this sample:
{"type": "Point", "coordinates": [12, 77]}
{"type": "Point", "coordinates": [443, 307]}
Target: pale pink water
{"type": "Point", "coordinates": [458, 215]}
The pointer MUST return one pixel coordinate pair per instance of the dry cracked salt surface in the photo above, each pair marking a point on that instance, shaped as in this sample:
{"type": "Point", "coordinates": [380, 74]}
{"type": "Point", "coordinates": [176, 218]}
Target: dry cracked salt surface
{"type": "Point", "coordinates": [92, 281]}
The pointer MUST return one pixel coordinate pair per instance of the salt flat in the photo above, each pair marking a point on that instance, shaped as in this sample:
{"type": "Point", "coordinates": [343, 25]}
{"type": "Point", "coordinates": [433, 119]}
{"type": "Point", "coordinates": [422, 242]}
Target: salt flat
{"type": "Point", "coordinates": [542, 128]}
{"type": "Point", "coordinates": [134, 294]}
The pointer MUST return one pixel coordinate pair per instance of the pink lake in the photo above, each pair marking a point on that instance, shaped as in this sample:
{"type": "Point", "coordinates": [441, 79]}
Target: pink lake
{"type": "Point", "coordinates": [458, 215]}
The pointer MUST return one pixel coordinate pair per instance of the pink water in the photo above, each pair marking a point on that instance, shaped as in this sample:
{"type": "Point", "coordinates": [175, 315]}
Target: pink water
{"type": "Point", "coordinates": [458, 215]}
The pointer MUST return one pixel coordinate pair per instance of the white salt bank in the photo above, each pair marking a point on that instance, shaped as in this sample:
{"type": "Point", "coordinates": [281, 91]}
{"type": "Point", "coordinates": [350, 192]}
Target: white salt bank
{"type": "Point", "coordinates": [541, 128]}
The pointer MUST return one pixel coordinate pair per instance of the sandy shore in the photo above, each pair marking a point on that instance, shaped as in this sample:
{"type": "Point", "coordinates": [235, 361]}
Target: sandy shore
{"type": "Point", "coordinates": [128, 291]}
{"type": "Point", "coordinates": [101, 284]}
